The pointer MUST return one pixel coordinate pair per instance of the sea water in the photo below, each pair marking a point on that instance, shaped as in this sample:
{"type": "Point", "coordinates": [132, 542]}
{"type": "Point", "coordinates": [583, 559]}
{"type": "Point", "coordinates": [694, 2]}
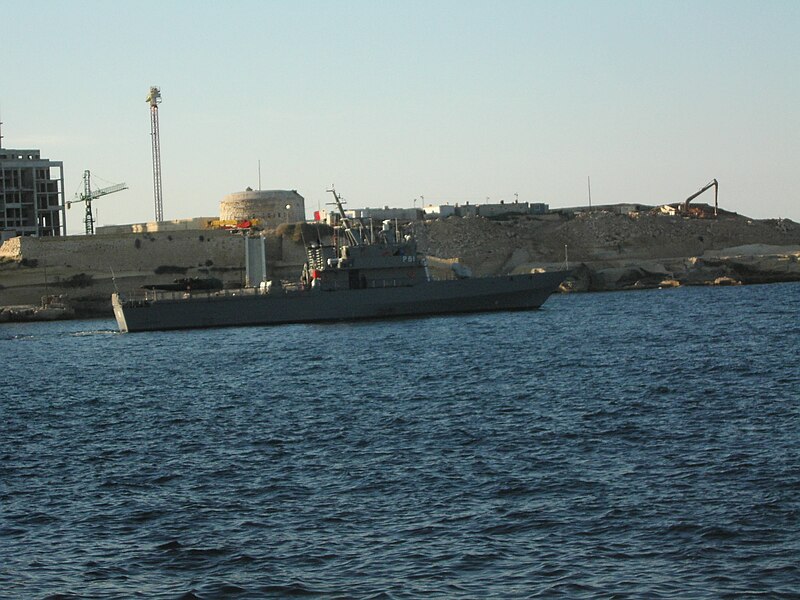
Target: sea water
{"type": "Point", "coordinates": [615, 445]}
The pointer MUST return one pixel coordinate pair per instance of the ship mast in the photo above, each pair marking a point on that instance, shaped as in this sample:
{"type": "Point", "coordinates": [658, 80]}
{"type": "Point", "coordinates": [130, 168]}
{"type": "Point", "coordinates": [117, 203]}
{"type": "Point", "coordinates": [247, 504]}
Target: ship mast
{"type": "Point", "coordinates": [354, 237]}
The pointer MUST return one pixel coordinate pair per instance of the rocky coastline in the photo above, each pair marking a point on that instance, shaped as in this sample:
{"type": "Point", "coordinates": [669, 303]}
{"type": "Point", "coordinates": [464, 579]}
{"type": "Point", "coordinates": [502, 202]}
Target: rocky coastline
{"type": "Point", "coordinates": [606, 250]}
{"type": "Point", "coordinates": [744, 265]}
{"type": "Point", "coordinates": [610, 251]}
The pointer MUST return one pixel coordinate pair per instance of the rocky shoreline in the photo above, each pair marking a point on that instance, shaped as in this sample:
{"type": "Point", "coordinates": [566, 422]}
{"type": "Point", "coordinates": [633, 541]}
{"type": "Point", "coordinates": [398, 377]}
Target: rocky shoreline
{"type": "Point", "coordinates": [781, 265]}
{"type": "Point", "coordinates": [737, 266]}
{"type": "Point", "coordinates": [610, 251]}
{"type": "Point", "coordinates": [605, 250]}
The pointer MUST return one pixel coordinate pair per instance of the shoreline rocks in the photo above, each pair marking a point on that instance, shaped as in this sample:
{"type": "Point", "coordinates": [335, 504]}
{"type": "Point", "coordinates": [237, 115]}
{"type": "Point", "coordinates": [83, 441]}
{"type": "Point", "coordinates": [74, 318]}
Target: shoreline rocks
{"type": "Point", "coordinates": [783, 265]}
{"type": "Point", "coordinates": [606, 250]}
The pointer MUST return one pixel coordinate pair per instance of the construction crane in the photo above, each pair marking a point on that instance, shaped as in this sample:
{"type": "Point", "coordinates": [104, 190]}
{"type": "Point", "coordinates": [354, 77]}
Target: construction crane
{"type": "Point", "coordinates": [713, 183]}
{"type": "Point", "coordinates": [154, 98]}
{"type": "Point", "coordinates": [88, 195]}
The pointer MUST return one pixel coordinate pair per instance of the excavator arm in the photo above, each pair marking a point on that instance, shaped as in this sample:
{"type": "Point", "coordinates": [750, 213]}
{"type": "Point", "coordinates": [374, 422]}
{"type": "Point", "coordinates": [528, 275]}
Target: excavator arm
{"type": "Point", "coordinates": [708, 186]}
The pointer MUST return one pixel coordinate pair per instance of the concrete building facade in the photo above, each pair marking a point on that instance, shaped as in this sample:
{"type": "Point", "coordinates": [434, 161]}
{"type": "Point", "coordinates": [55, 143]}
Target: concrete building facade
{"type": "Point", "coordinates": [439, 211]}
{"type": "Point", "coordinates": [193, 224]}
{"type": "Point", "coordinates": [442, 211]}
{"type": "Point", "coordinates": [381, 214]}
{"type": "Point", "coordinates": [31, 195]}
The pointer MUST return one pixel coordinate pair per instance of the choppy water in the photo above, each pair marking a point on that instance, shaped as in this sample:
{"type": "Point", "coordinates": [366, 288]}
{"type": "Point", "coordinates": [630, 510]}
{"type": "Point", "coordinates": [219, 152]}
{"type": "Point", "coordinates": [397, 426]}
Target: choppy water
{"type": "Point", "coordinates": [621, 445]}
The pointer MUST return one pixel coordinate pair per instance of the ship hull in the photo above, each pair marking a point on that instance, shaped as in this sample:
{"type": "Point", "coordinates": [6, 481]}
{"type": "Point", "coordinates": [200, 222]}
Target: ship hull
{"type": "Point", "coordinates": [248, 307]}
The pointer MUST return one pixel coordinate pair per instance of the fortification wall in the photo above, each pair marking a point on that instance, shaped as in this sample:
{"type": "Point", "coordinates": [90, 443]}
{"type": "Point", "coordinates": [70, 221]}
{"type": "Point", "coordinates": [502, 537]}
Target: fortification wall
{"type": "Point", "coordinates": [130, 252]}
{"type": "Point", "coordinates": [193, 224]}
{"type": "Point", "coordinates": [81, 266]}
{"type": "Point", "coordinates": [268, 206]}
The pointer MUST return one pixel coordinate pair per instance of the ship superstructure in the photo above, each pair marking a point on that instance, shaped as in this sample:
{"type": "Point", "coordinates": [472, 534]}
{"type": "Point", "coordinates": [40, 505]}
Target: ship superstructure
{"type": "Point", "coordinates": [362, 274]}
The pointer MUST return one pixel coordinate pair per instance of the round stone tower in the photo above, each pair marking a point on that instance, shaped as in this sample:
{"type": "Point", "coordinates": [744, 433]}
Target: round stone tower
{"type": "Point", "coordinates": [270, 207]}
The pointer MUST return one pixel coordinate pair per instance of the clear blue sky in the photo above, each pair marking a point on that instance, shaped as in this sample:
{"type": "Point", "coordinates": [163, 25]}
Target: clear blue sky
{"type": "Point", "coordinates": [392, 101]}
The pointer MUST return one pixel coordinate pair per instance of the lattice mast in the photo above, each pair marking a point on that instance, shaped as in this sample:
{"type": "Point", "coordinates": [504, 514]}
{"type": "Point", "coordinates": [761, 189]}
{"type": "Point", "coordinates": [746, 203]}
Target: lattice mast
{"type": "Point", "coordinates": [88, 219]}
{"type": "Point", "coordinates": [154, 98]}
{"type": "Point", "coordinates": [89, 195]}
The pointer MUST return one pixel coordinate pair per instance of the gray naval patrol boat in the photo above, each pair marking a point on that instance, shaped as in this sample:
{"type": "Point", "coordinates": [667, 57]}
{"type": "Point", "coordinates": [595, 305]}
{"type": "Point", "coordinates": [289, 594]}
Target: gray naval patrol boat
{"type": "Point", "coordinates": [365, 276]}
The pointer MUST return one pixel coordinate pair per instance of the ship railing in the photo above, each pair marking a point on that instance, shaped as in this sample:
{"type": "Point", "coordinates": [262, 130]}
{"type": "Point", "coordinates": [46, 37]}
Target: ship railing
{"type": "Point", "coordinates": [399, 282]}
{"type": "Point", "coordinates": [285, 288]}
{"type": "Point", "coordinates": [161, 295]}
{"type": "Point", "coordinates": [386, 283]}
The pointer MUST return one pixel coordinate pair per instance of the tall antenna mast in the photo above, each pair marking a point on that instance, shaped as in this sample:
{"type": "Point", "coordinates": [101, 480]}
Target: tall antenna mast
{"type": "Point", "coordinates": [155, 99]}
{"type": "Point", "coordinates": [589, 184]}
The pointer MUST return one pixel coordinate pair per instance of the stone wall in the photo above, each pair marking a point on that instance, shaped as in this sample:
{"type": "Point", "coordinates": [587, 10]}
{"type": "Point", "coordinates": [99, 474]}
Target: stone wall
{"type": "Point", "coordinates": [81, 267]}
{"type": "Point", "coordinates": [195, 223]}
{"type": "Point", "coordinates": [129, 252]}
{"type": "Point", "coordinates": [268, 206]}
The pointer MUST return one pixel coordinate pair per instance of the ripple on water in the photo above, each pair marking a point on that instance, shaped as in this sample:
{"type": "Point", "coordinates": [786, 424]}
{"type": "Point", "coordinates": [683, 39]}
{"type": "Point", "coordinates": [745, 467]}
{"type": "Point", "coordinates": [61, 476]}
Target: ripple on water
{"type": "Point", "coordinates": [612, 445]}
